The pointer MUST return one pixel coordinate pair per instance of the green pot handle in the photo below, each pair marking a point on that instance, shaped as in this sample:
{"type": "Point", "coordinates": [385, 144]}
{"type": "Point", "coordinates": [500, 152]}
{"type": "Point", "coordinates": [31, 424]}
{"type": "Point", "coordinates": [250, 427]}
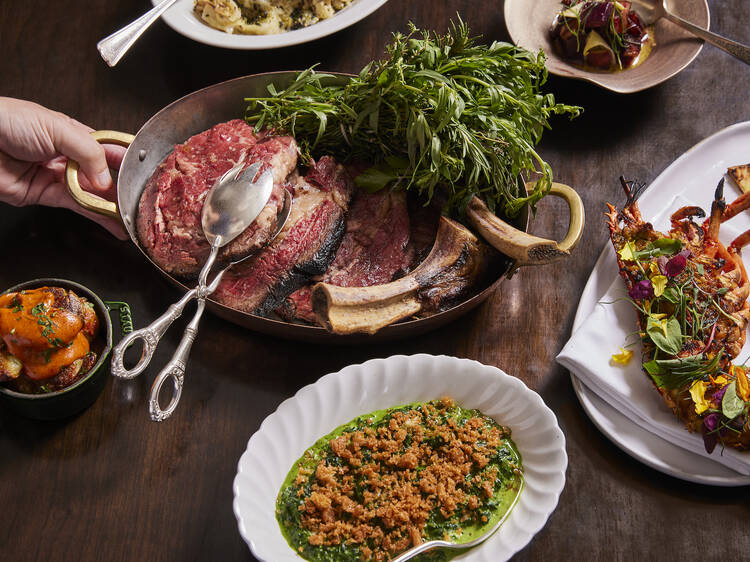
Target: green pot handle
{"type": "Point", "coordinates": [126, 317]}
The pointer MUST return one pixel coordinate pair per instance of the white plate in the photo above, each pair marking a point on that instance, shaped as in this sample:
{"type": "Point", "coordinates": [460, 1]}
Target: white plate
{"type": "Point", "coordinates": [181, 18]}
{"type": "Point", "coordinates": [337, 398]}
{"type": "Point", "coordinates": [694, 174]}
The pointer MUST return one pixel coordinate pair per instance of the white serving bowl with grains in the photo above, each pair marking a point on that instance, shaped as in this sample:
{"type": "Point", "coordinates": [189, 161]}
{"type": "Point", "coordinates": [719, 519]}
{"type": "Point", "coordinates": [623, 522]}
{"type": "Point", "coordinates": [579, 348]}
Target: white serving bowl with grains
{"type": "Point", "coordinates": [264, 24]}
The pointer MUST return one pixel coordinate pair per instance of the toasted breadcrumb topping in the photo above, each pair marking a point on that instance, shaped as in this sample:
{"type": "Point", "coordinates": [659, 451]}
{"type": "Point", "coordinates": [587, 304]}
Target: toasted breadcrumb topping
{"type": "Point", "coordinates": [379, 486]}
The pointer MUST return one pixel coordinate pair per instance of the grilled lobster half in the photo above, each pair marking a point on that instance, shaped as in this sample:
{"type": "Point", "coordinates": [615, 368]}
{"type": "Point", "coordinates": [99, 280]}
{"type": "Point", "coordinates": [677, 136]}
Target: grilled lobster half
{"type": "Point", "coordinates": [690, 292]}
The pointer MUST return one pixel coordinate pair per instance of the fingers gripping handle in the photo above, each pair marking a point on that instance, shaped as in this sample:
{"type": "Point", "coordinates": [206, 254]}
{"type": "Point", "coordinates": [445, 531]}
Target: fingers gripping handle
{"type": "Point", "coordinates": [174, 370]}
{"type": "Point", "coordinates": [88, 200]}
{"type": "Point", "coordinates": [150, 335]}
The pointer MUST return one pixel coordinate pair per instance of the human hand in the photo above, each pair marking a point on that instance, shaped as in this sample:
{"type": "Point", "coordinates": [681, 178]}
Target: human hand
{"type": "Point", "coordinates": [35, 144]}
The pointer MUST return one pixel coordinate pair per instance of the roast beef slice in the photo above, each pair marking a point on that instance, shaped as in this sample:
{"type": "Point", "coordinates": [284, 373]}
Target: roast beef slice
{"type": "Point", "coordinates": [169, 212]}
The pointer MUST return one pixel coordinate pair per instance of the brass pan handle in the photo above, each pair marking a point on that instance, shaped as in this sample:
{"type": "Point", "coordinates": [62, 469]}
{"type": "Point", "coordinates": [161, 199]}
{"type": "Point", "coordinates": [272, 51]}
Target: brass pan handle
{"type": "Point", "coordinates": [88, 200]}
{"type": "Point", "coordinates": [525, 248]}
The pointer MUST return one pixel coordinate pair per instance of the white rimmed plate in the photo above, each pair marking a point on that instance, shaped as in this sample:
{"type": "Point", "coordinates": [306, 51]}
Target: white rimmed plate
{"type": "Point", "coordinates": [181, 18]}
{"type": "Point", "coordinates": [694, 175]}
{"type": "Point", "coordinates": [337, 398]}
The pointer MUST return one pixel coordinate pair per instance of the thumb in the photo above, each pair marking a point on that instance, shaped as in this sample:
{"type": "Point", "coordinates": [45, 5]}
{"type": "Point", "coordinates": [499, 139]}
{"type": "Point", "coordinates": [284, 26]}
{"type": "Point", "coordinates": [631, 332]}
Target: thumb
{"type": "Point", "coordinates": [72, 140]}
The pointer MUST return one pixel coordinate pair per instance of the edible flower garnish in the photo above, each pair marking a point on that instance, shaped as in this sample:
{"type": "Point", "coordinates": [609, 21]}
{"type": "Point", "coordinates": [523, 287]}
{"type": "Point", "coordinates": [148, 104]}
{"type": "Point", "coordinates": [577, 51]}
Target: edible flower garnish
{"type": "Point", "coordinates": [698, 394]}
{"type": "Point", "coordinates": [710, 437]}
{"type": "Point", "coordinates": [622, 358]}
{"type": "Point", "coordinates": [719, 381]}
{"type": "Point", "coordinates": [743, 385]}
{"type": "Point", "coordinates": [676, 265]}
{"type": "Point", "coordinates": [626, 252]}
{"type": "Point", "coordinates": [659, 283]}
{"type": "Point", "coordinates": [641, 290]}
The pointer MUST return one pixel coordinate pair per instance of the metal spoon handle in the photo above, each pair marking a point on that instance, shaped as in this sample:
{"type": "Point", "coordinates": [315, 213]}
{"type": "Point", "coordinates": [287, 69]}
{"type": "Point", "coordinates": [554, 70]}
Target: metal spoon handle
{"type": "Point", "coordinates": [113, 48]}
{"type": "Point", "coordinates": [150, 335]}
{"type": "Point", "coordinates": [175, 370]}
{"type": "Point", "coordinates": [737, 50]}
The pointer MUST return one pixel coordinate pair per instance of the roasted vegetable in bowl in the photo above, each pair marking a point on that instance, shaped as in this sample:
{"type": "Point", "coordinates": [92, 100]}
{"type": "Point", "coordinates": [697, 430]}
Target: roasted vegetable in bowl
{"type": "Point", "coordinates": [601, 34]}
{"type": "Point", "coordinates": [46, 339]}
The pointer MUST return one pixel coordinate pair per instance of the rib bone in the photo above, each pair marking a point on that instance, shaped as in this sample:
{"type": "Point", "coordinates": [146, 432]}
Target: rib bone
{"type": "Point", "coordinates": [456, 260]}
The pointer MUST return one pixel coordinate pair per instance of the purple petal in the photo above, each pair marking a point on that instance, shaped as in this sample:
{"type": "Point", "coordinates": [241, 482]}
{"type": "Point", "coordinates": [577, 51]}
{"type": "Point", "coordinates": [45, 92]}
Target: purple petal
{"type": "Point", "coordinates": [708, 430]}
{"type": "Point", "coordinates": [641, 290]}
{"type": "Point", "coordinates": [662, 263]}
{"type": "Point", "coordinates": [676, 265]}
{"type": "Point", "coordinates": [719, 394]}
{"type": "Point", "coordinates": [711, 422]}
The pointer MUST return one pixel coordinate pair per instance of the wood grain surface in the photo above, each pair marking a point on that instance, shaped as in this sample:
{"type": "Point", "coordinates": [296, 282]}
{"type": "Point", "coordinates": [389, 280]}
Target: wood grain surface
{"type": "Point", "coordinates": [109, 484]}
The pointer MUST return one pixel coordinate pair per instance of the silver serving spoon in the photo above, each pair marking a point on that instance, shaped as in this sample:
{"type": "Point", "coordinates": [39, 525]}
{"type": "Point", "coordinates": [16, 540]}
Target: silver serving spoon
{"type": "Point", "coordinates": [429, 545]}
{"type": "Point", "coordinates": [113, 47]}
{"type": "Point", "coordinates": [231, 205]}
{"type": "Point", "coordinates": [652, 10]}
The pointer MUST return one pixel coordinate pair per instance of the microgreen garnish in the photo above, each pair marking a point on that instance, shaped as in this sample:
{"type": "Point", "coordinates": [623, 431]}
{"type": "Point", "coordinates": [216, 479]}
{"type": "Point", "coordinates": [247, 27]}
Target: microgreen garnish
{"type": "Point", "coordinates": [44, 321]}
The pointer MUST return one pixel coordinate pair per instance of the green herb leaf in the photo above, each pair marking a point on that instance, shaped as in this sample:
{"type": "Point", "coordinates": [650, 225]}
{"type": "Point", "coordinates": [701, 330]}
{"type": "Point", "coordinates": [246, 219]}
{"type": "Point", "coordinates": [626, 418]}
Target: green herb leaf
{"type": "Point", "coordinates": [463, 118]}
{"type": "Point", "coordinates": [731, 404]}
{"type": "Point", "coordinates": [672, 295]}
{"type": "Point", "coordinates": [653, 368]}
{"type": "Point", "coordinates": [680, 372]}
{"type": "Point", "coordinates": [659, 247]}
{"type": "Point", "coordinates": [669, 340]}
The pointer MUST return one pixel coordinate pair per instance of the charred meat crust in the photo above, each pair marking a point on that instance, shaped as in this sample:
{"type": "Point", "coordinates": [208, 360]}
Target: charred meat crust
{"type": "Point", "coordinates": [301, 273]}
{"type": "Point", "coordinates": [375, 248]}
{"type": "Point", "coordinates": [304, 248]}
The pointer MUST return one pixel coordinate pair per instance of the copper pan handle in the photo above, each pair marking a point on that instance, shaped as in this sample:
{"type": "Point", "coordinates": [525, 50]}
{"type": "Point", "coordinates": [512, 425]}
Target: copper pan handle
{"type": "Point", "coordinates": [525, 248]}
{"type": "Point", "coordinates": [88, 200]}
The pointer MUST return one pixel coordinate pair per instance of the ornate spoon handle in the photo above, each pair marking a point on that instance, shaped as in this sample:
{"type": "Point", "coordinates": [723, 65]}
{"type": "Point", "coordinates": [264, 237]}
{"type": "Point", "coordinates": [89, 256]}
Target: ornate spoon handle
{"type": "Point", "coordinates": [175, 370]}
{"type": "Point", "coordinates": [113, 47]}
{"type": "Point", "coordinates": [737, 50]}
{"type": "Point", "coordinates": [150, 335]}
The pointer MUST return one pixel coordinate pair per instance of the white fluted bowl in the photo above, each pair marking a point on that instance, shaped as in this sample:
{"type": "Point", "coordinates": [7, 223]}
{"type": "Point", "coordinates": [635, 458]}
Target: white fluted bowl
{"type": "Point", "coordinates": [337, 398]}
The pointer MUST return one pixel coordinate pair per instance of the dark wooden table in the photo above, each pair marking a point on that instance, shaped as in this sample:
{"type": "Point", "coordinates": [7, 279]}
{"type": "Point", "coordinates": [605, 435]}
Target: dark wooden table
{"type": "Point", "coordinates": [109, 484]}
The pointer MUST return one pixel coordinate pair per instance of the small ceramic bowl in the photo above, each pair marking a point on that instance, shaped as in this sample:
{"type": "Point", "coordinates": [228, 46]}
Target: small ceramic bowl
{"type": "Point", "coordinates": [529, 24]}
{"type": "Point", "coordinates": [81, 394]}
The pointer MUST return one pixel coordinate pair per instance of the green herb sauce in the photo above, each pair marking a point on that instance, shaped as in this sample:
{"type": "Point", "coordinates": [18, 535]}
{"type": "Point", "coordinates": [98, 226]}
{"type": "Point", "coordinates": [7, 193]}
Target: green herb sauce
{"type": "Point", "coordinates": [505, 488]}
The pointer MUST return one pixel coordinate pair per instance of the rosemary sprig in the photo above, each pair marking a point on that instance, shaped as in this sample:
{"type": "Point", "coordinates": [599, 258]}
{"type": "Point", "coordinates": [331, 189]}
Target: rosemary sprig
{"type": "Point", "coordinates": [439, 113]}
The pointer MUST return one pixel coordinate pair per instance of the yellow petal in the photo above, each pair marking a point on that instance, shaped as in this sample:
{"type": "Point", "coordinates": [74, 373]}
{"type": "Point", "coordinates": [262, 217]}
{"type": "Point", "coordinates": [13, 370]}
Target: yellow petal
{"type": "Point", "coordinates": [659, 316]}
{"type": "Point", "coordinates": [654, 269]}
{"type": "Point", "coordinates": [622, 358]}
{"type": "Point", "coordinates": [743, 385]}
{"type": "Point", "coordinates": [697, 393]}
{"type": "Point", "coordinates": [659, 282]}
{"type": "Point", "coordinates": [626, 252]}
{"type": "Point", "coordinates": [721, 380]}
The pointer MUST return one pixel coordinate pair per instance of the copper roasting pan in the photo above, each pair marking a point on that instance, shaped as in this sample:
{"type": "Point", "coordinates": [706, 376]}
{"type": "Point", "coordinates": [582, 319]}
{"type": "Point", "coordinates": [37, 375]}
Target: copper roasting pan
{"type": "Point", "coordinates": [205, 108]}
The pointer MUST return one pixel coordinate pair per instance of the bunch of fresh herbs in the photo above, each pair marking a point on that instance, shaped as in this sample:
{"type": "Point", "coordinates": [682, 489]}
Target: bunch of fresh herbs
{"type": "Point", "coordinates": [440, 113]}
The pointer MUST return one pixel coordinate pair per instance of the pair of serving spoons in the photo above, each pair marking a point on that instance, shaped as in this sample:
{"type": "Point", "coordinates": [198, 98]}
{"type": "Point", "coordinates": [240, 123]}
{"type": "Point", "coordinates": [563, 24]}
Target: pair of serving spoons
{"type": "Point", "coordinates": [230, 207]}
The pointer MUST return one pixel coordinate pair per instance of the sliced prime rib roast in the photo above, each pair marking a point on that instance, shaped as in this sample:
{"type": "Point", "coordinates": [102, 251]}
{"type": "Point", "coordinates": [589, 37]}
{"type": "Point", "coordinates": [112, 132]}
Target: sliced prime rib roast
{"type": "Point", "coordinates": [457, 264]}
{"type": "Point", "coordinates": [374, 249]}
{"type": "Point", "coordinates": [169, 212]}
{"type": "Point", "coordinates": [303, 249]}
